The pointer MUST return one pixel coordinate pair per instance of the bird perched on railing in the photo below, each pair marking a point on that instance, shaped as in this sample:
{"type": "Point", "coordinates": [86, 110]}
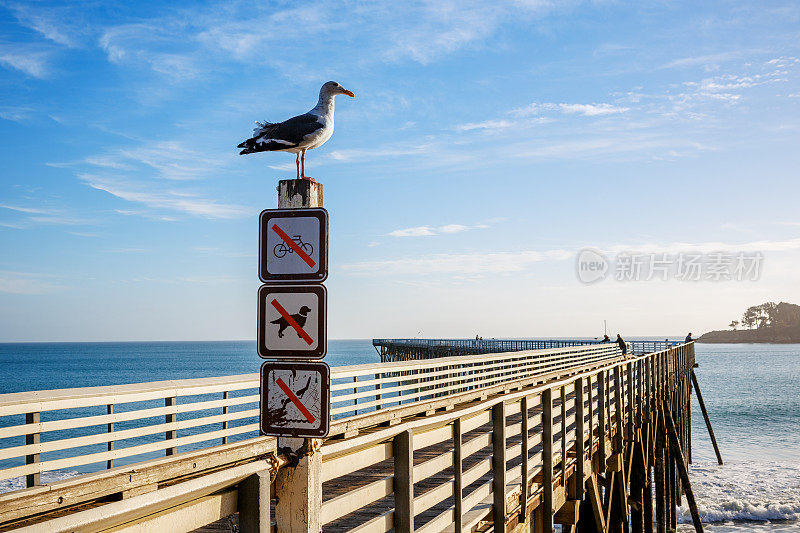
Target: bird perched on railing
{"type": "Point", "coordinates": [299, 133]}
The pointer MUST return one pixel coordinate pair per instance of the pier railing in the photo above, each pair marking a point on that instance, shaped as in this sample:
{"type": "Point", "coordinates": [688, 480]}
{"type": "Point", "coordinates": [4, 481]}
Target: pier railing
{"type": "Point", "coordinates": [497, 459]}
{"type": "Point", "coordinates": [100, 427]}
{"type": "Point", "coordinates": [575, 398]}
{"type": "Point", "coordinates": [411, 349]}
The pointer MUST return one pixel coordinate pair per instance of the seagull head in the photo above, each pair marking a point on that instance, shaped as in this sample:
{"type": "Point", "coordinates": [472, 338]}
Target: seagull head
{"type": "Point", "coordinates": [333, 88]}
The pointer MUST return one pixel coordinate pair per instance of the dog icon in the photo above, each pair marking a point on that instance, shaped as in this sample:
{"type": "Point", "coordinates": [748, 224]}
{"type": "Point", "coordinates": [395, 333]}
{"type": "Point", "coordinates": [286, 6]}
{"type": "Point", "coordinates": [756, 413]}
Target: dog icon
{"type": "Point", "coordinates": [300, 317]}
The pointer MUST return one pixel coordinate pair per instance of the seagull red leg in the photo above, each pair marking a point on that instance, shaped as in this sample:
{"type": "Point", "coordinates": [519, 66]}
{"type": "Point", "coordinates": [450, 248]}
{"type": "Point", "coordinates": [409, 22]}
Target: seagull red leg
{"type": "Point", "coordinates": [297, 163]}
{"type": "Point", "coordinates": [303, 167]}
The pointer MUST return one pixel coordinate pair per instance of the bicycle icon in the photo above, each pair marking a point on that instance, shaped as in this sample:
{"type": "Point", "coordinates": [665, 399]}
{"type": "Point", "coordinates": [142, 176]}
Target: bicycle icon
{"type": "Point", "coordinates": [281, 249]}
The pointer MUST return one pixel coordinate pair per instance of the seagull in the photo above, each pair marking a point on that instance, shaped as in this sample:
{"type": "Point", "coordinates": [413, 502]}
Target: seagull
{"type": "Point", "coordinates": [299, 133]}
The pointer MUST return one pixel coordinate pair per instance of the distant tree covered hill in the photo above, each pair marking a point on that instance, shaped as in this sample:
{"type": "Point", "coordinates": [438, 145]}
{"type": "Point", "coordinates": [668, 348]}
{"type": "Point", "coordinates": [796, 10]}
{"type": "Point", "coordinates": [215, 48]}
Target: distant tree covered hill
{"type": "Point", "coordinates": [768, 322]}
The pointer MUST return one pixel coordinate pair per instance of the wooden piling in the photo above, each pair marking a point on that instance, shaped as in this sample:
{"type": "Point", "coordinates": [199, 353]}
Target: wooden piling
{"type": "Point", "coordinates": [705, 416]}
{"type": "Point", "coordinates": [660, 492]}
{"type": "Point", "coordinates": [682, 471]}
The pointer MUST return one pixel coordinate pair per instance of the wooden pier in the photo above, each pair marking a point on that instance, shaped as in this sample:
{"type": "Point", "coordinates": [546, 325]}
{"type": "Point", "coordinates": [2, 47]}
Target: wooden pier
{"type": "Point", "coordinates": [514, 440]}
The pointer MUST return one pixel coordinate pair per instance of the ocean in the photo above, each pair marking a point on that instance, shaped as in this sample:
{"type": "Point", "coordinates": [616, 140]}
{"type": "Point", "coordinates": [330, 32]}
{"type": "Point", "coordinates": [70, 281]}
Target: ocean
{"type": "Point", "coordinates": [751, 392]}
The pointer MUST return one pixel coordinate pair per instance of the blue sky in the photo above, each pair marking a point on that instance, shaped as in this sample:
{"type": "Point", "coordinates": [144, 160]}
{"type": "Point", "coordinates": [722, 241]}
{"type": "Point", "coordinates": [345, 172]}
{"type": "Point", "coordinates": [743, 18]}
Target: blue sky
{"type": "Point", "coordinates": [487, 145]}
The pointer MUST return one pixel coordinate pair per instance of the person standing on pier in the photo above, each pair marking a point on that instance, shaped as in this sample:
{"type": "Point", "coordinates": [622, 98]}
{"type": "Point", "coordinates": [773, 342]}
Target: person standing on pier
{"type": "Point", "coordinates": [622, 345]}
{"type": "Point", "coordinates": [606, 338]}
{"type": "Point", "coordinates": [688, 338]}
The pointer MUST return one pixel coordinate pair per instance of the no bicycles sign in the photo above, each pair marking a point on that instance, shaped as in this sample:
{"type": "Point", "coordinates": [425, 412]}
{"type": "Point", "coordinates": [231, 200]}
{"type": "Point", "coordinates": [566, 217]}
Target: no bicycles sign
{"type": "Point", "coordinates": [293, 245]}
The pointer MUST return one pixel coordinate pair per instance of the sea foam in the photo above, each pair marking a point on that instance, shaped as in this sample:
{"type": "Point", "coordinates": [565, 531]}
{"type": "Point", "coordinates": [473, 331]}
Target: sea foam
{"type": "Point", "coordinates": [17, 483]}
{"type": "Point", "coordinates": [749, 490]}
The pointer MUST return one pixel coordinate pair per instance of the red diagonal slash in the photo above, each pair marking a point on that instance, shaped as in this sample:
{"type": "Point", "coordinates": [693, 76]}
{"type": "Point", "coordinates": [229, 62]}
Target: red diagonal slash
{"type": "Point", "coordinates": [288, 318]}
{"type": "Point", "coordinates": [295, 400]}
{"type": "Point", "coordinates": [293, 245]}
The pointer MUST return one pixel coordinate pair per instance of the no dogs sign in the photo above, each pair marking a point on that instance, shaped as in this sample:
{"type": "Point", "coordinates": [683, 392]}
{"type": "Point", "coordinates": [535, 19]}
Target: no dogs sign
{"type": "Point", "coordinates": [291, 321]}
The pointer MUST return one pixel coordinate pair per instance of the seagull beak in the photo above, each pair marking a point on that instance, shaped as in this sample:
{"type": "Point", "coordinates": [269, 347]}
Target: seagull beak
{"type": "Point", "coordinates": [348, 93]}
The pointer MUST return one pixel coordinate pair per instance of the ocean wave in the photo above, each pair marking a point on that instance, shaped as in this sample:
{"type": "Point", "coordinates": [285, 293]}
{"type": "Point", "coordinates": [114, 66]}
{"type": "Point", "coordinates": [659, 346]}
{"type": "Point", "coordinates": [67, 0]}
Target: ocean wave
{"type": "Point", "coordinates": [17, 483]}
{"type": "Point", "coordinates": [755, 491]}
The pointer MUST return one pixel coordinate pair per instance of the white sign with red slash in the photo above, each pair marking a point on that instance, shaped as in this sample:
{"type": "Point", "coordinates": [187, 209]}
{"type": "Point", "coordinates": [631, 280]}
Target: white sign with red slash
{"type": "Point", "coordinates": [291, 321]}
{"type": "Point", "coordinates": [295, 399]}
{"type": "Point", "coordinates": [293, 245]}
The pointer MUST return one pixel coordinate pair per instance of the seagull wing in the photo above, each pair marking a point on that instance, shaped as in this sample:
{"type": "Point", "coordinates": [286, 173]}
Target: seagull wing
{"type": "Point", "coordinates": [283, 135]}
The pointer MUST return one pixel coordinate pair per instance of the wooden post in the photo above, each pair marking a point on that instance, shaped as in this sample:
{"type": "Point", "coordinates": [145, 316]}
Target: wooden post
{"type": "Point", "coordinates": [378, 396]}
{"type": "Point", "coordinates": [110, 429]}
{"type": "Point", "coordinates": [299, 492]}
{"type": "Point", "coordinates": [403, 451]}
{"type": "Point", "coordinates": [225, 412]}
{"type": "Point", "coordinates": [705, 416]}
{"type": "Point", "coordinates": [563, 400]}
{"type": "Point", "coordinates": [618, 410]}
{"type": "Point", "coordinates": [580, 441]}
{"type": "Point", "coordinates": [629, 411]}
{"type": "Point", "coordinates": [547, 460]}
{"type": "Point", "coordinates": [526, 469]}
{"type": "Point", "coordinates": [299, 193]}
{"type": "Point", "coordinates": [499, 466]}
{"type": "Point", "coordinates": [458, 472]}
{"type": "Point", "coordinates": [601, 418]}
{"type": "Point", "coordinates": [355, 391]}
{"type": "Point", "coordinates": [31, 480]}
{"type": "Point", "coordinates": [253, 503]}
{"type": "Point", "coordinates": [299, 489]}
{"type": "Point", "coordinates": [169, 419]}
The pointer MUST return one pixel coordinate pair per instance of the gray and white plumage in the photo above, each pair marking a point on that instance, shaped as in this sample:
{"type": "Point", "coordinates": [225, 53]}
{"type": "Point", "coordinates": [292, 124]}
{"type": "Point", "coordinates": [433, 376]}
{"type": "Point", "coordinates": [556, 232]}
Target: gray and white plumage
{"type": "Point", "coordinates": [300, 133]}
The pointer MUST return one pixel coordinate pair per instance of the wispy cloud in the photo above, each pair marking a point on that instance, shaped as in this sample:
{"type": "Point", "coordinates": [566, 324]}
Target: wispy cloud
{"type": "Point", "coordinates": [189, 42]}
{"type": "Point", "coordinates": [16, 113]}
{"type": "Point", "coordinates": [426, 231]}
{"type": "Point", "coordinates": [379, 152]}
{"type": "Point", "coordinates": [709, 61]}
{"type": "Point", "coordinates": [480, 264]}
{"type": "Point", "coordinates": [457, 264]}
{"type": "Point", "coordinates": [173, 200]}
{"type": "Point", "coordinates": [51, 23]}
{"type": "Point", "coordinates": [23, 209]}
{"type": "Point", "coordinates": [26, 283]}
{"type": "Point", "coordinates": [144, 44]}
{"type": "Point", "coordinates": [587, 110]}
{"type": "Point", "coordinates": [36, 216]}
{"type": "Point", "coordinates": [485, 125]}
{"type": "Point", "coordinates": [26, 59]}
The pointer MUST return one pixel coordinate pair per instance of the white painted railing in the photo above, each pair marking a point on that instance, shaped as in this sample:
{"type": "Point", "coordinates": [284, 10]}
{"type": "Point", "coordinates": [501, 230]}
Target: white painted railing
{"type": "Point", "coordinates": [102, 427]}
